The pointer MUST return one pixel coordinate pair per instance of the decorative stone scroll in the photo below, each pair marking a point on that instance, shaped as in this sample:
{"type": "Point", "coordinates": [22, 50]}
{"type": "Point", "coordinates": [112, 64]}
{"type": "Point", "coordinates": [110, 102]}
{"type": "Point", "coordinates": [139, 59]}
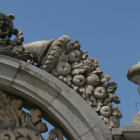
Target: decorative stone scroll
{"type": "Point", "coordinates": [16, 124]}
{"type": "Point", "coordinates": [65, 60]}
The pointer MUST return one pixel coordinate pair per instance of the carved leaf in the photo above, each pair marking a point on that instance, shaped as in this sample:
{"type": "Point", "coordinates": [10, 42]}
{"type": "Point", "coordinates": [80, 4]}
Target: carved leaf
{"type": "Point", "coordinates": [12, 116]}
{"type": "Point", "coordinates": [35, 115]}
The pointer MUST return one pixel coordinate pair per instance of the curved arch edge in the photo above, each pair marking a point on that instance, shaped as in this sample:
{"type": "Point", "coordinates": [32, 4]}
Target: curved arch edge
{"type": "Point", "coordinates": [56, 99]}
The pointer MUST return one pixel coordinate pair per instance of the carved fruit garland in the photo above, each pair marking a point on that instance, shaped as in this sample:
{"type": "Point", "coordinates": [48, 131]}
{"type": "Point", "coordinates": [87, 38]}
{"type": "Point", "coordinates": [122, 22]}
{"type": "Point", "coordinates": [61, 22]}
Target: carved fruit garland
{"type": "Point", "coordinates": [86, 77]}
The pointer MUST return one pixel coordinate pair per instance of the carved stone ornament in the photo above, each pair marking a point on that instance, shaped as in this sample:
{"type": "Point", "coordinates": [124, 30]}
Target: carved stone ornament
{"type": "Point", "coordinates": [65, 60]}
{"type": "Point", "coordinates": [133, 74]}
{"type": "Point", "coordinates": [16, 124]}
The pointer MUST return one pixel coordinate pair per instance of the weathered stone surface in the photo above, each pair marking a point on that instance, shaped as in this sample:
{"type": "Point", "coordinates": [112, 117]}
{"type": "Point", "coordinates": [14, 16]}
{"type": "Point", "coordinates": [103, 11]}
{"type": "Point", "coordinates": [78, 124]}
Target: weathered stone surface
{"type": "Point", "coordinates": [136, 119]}
{"type": "Point", "coordinates": [87, 136]}
{"type": "Point", "coordinates": [131, 127]}
{"type": "Point", "coordinates": [127, 132]}
{"type": "Point", "coordinates": [23, 87]}
{"type": "Point", "coordinates": [68, 111]}
{"type": "Point", "coordinates": [65, 60]}
{"type": "Point", "coordinates": [84, 110]}
{"type": "Point", "coordinates": [116, 131]}
{"type": "Point", "coordinates": [16, 124]}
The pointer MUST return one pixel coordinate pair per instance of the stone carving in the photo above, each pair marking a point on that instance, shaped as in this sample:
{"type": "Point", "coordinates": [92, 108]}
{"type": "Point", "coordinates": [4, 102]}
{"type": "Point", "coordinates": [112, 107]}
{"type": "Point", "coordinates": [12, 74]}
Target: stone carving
{"type": "Point", "coordinates": [133, 74]}
{"type": "Point", "coordinates": [55, 133]}
{"type": "Point", "coordinates": [111, 116]}
{"type": "Point", "coordinates": [100, 93]}
{"type": "Point", "coordinates": [12, 48]}
{"type": "Point", "coordinates": [105, 111]}
{"type": "Point", "coordinates": [16, 124]}
{"type": "Point", "coordinates": [86, 77]}
{"type": "Point", "coordinates": [65, 60]}
{"type": "Point", "coordinates": [112, 97]}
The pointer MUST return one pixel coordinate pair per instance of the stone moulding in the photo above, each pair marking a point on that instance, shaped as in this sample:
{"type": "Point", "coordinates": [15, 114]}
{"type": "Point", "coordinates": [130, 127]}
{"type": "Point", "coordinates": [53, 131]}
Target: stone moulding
{"type": "Point", "coordinates": [60, 105]}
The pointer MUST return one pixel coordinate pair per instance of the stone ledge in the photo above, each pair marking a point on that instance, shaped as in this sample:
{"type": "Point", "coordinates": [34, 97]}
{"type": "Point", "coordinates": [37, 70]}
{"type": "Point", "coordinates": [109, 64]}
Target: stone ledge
{"type": "Point", "coordinates": [127, 132]}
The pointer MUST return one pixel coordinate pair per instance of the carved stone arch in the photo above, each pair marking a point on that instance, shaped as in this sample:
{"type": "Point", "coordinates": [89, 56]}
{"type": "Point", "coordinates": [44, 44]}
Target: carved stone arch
{"type": "Point", "coordinates": [60, 105]}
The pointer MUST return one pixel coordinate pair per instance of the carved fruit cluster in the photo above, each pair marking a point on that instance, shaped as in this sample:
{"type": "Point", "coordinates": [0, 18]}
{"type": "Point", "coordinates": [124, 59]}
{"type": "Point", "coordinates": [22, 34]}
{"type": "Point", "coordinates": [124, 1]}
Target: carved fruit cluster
{"type": "Point", "coordinates": [86, 77]}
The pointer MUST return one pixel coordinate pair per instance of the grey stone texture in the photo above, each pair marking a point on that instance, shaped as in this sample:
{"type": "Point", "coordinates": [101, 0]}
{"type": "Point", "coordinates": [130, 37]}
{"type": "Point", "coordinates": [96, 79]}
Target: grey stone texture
{"type": "Point", "coordinates": [128, 132]}
{"type": "Point", "coordinates": [60, 105]}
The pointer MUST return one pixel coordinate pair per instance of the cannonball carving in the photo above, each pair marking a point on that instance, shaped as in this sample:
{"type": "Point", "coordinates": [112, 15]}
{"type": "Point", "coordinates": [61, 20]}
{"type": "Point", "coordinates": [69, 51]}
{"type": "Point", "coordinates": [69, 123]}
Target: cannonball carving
{"type": "Point", "coordinates": [79, 80]}
{"type": "Point", "coordinates": [63, 68]}
{"type": "Point", "coordinates": [105, 111]}
{"type": "Point", "coordinates": [93, 80]}
{"type": "Point", "coordinates": [100, 93]}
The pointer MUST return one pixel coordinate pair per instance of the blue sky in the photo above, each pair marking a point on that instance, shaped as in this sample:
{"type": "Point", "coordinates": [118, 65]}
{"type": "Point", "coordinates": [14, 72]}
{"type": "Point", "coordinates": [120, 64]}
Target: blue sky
{"type": "Point", "coordinates": [108, 29]}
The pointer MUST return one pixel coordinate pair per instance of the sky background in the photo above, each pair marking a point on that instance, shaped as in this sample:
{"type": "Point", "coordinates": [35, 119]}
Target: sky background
{"type": "Point", "coordinates": [108, 29]}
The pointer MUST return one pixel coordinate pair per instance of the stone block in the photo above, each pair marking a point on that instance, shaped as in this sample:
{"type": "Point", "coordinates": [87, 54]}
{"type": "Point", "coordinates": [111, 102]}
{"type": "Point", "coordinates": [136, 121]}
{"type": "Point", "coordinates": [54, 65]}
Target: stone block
{"type": "Point", "coordinates": [116, 131]}
{"type": "Point", "coordinates": [41, 74]}
{"type": "Point", "coordinates": [85, 109]}
{"type": "Point", "coordinates": [71, 114]}
{"type": "Point", "coordinates": [89, 136]}
{"type": "Point", "coordinates": [118, 138]}
{"type": "Point", "coordinates": [130, 128]}
{"type": "Point", "coordinates": [8, 70]}
{"type": "Point", "coordinates": [136, 119]}
{"type": "Point", "coordinates": [35, 85]}
{"type": "Point", "coordinates": [56, 82]}
{"type": "Point", "coordinates": [131, 131]}
{"type": "Point", "coordinates": [132, 135]}
{"type": "Point", "coordinates": [65, 124]}
{"type": "Point", "coordinates": [98, 135]}
{"type": "Point", "coordinates": [10, 61]}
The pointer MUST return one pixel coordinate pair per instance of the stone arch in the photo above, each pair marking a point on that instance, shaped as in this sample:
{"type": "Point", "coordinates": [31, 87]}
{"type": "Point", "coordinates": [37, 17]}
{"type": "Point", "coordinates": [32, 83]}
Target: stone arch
{"type": "Point", "coordinates": [60, 105]}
